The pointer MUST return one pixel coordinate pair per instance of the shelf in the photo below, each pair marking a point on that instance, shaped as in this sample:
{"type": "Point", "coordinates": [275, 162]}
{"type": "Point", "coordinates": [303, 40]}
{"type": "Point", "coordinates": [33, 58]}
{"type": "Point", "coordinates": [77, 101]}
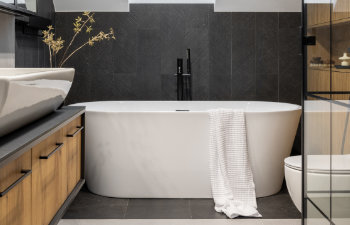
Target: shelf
{"type": "Point", "coordinates": [328, 69]}
{"type": "Point", "coordinates": [327, 24]}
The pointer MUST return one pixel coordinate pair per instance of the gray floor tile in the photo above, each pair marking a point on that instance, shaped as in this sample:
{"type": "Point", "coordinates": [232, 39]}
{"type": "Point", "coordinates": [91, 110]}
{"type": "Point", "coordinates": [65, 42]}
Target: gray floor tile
{"type": "Point", "coordinates": [158, 209]}
{"type": "Point", "coordinates": [91, 206]}
{"type": "Point", "coordinates": [204, 209]}
{"type": "Point", "coordinates": [182, 222]}
{"type": "Point", "coordinates": [278, 206]}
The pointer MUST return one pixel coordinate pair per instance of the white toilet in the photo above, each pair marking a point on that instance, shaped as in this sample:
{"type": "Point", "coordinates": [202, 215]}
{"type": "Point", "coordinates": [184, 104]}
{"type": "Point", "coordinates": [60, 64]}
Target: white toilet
{"type": "Point", "coordinates": [318, 175]}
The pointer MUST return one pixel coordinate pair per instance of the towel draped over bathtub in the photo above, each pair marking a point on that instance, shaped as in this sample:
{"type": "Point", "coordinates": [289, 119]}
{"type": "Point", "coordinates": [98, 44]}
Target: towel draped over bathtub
{"type": "Point", "coordinates": [231, 176]}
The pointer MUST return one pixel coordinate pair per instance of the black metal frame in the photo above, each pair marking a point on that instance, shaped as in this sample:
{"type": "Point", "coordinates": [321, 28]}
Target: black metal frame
{"type": "Point", "coordinates": [304, 85]}
{"type": "Point", "coordinates": [306, 94]}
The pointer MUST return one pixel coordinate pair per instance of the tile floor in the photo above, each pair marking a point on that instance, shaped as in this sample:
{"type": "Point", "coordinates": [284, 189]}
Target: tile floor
{"type": "Point", "coordinates": [91, 206]}
{"type": "Point", "coordinates": [183, 222]}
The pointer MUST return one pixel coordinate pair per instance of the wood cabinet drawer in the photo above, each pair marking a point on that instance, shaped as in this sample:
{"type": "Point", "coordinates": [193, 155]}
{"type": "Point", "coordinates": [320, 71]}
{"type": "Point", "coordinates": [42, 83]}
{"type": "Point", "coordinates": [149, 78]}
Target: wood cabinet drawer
{"type": "Point", "coordinates": [15, 192]}
{"type": "Point", "coordinates": [73, 135]}
{"type": "Point", "coordinates": [49, 160]}
{"type": "Point", "coordinates": [73, 128]}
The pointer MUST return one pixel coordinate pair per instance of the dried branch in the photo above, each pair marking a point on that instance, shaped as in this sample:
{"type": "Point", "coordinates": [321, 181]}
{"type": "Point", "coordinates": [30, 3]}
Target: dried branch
{"type": "Point", "coordinates": [55, 45]}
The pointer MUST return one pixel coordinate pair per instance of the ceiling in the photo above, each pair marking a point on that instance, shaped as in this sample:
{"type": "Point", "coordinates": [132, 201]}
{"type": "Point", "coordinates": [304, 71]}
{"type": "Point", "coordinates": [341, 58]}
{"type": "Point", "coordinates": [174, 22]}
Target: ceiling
{"type": "Point", "coordinates": [219, 5]}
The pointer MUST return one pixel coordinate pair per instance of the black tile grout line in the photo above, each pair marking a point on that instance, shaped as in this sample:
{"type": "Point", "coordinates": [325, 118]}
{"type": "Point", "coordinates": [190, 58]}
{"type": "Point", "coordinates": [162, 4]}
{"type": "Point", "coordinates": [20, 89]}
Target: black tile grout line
{"type": "Point", "coordinates": [278, 57]}
{"type": "Point", "coordinates": [190, 208]}
{"type": "Point", "coordinates": [255, 49]}
{"type": "Point", "coordinates": [126, 208]}
{"type": "Point", "coordinates": [231, 54]}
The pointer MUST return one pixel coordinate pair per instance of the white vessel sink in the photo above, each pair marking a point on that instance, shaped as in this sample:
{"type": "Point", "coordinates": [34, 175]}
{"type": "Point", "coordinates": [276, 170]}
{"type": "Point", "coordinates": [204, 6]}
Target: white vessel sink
{"type": "Point", "coordinates": [29, 94]}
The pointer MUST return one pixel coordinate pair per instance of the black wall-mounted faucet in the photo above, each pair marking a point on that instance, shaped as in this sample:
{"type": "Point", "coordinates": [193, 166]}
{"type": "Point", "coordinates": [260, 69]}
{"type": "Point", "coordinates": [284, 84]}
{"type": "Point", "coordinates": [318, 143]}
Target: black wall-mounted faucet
{"type": "Point", "coordinates": [184, 81]}
{"type": "Point", "coordinates": [179, 76]}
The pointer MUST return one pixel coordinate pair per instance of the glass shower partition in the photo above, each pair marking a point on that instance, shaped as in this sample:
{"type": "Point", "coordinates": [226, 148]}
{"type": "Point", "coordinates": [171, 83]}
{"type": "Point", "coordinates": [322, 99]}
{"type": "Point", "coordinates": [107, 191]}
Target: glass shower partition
{"type": "Point", "coordinates": [326, 159]}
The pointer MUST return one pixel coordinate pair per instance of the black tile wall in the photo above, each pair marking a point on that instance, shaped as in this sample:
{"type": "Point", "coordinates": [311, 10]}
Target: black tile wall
{"type": "Point", "coordinates": [243, 60]}
{"type": "Point", "coordinates": [236, 56]}
{"type": "Point", "coordinates": [30, 50]}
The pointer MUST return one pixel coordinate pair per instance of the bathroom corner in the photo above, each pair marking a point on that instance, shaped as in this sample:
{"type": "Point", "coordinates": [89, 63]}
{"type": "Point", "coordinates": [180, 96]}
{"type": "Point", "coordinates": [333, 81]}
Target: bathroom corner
{"type": "Point", "coordinates": [174, 112]}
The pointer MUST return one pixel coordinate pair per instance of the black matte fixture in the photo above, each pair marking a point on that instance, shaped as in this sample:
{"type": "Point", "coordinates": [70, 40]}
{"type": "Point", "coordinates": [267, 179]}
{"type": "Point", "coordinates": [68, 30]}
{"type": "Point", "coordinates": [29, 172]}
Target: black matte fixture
{"type": "Point", "coordinates": [188, 80]}
{"type": "Point", "coordinates": [179, 76]}
{"type": "Point", "coordinates": [184, 81]}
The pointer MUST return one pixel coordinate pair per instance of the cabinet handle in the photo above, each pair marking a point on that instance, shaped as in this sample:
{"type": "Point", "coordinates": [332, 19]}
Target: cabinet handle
{"type": "Point", "coordinates": [25, 173]}
{"type": "Point", "coordinates": [59, 146]}
{"type": "Point", "coordinates": [76, 132]}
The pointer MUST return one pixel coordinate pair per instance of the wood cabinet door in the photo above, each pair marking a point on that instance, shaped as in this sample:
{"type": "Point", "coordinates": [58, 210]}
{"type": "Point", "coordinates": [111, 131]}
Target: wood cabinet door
{"type": "Point", "coordinates": [340, 82]}
{"type": "Point", "coordinates": [73, 139]}
{"type": "Point", "coordinates": [341, 9]}
{"type": "Point", "coordinates": [323, 13]}
{"type": "Point", "coordinates": [49, 161]}
{"type": "Point", "coordinates": [319, 81]}
{"type": "Point", "coordinates": [15, 192]}
{"type": "Point", "coordinates": [312, 15]}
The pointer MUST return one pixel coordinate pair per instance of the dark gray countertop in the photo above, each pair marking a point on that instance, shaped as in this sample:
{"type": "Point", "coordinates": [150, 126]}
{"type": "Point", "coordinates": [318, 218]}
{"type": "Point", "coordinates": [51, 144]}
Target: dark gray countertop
{"type": "Point", "coordinates": [15, 144]}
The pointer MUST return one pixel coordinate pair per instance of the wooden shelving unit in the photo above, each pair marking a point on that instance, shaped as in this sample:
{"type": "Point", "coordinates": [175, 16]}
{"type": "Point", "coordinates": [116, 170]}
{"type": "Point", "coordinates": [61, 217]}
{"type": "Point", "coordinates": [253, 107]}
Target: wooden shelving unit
{"type": "Point", "coordinates": [326, 120]}
{"type": "Point", "coordinates": [330, 25]}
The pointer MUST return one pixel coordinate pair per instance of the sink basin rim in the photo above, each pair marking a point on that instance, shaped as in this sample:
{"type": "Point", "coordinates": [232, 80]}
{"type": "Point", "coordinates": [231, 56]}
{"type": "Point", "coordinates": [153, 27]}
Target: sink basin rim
{"type": "Point", "coordinates": [24, 73]}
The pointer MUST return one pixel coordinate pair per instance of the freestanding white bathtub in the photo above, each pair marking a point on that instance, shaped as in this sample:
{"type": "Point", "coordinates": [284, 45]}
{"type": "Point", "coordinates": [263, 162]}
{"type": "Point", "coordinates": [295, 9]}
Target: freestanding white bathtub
{"type": "Point", "coordinates": [151, 150]}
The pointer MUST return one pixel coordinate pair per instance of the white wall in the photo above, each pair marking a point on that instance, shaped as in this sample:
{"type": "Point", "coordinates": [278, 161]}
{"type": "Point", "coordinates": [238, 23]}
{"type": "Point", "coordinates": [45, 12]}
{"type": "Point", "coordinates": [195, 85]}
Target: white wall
{"type": "Point", "coordinates": [220, 5]}
{"type": "Point", "coordinates": [7, 40]}
{"type": "Point", "coordinates": [173, 1]}
{"type": "Point", "coordinates": [258, 5]}
{"type": "Point", "coordinates": [91, 5]}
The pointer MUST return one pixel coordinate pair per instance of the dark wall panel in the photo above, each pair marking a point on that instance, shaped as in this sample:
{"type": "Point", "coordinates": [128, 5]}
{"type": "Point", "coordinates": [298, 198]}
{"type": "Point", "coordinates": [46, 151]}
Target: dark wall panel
{"type": "Point", "coordinates": [30, 50]}
{"type": "Point", "coordinates": [236, 56]}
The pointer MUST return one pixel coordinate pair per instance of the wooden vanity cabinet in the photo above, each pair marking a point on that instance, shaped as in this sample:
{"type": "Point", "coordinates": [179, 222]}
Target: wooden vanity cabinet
{"type": "Point", "coordinates": [49, 160]}
{"type": "Point", "coordinates": [37, 187]}
{"type": "Point", "coordinates": [56, 171]}
{"type": "Point", "coordinates": [73, 139]}
{"type": "Point", "coordinates": [15, 192]}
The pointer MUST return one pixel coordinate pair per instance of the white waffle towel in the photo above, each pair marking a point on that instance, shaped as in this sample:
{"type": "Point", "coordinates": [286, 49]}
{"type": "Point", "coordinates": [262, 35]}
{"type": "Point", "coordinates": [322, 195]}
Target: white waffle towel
{"type": "Point", "coordinates": [231, 176]}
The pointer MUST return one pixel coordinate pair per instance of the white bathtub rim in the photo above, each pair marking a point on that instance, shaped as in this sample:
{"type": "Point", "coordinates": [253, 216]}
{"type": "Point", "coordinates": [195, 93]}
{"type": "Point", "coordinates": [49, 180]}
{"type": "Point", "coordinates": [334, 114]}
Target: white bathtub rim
{"type": "Point", "coordinates": [108, 111]}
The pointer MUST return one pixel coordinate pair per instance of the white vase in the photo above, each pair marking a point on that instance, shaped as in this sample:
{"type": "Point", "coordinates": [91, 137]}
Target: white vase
{"type": "Point", "coordinates": [345, 59]}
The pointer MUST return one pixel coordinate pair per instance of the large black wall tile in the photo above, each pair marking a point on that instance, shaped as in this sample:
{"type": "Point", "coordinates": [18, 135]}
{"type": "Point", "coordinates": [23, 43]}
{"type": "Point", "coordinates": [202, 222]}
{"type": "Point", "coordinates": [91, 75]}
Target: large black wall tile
{"type": "Point", "coordinates": [172, 38]}
{"type": "Point", "coordinates": [290, 59]}
{"type": "Point", "coordinates": [267, 87]}
{"type": "Point", "coordinates": [289, 42]}
{"type": "Point", "coordinates": [146, 16]}
{"type": "Point", "coordinates": [197, 39]}
{"type": "Point", "coordinates": [148, 63]}
{"type": "Point", "coordinates": [103, 85]}
{"type": "Point", "coordinates": [290, 80]}
{"type": "Point", "coordinates": [127, 86]}
{"type": "Point", "coordinates": [289, 20]}
{"type": "Point", "coordinates": [81, 88]}
{"type": "Point", "coordinates": [235, 56]}
{"type": "Point", "coordinates": [169, 87]}
{"type": "Point", "coordinates": [267, 43]}
{"type": "Point", "coordinates": [220, 47]}
{"type": "Point", "coordinates": [243, 56]}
